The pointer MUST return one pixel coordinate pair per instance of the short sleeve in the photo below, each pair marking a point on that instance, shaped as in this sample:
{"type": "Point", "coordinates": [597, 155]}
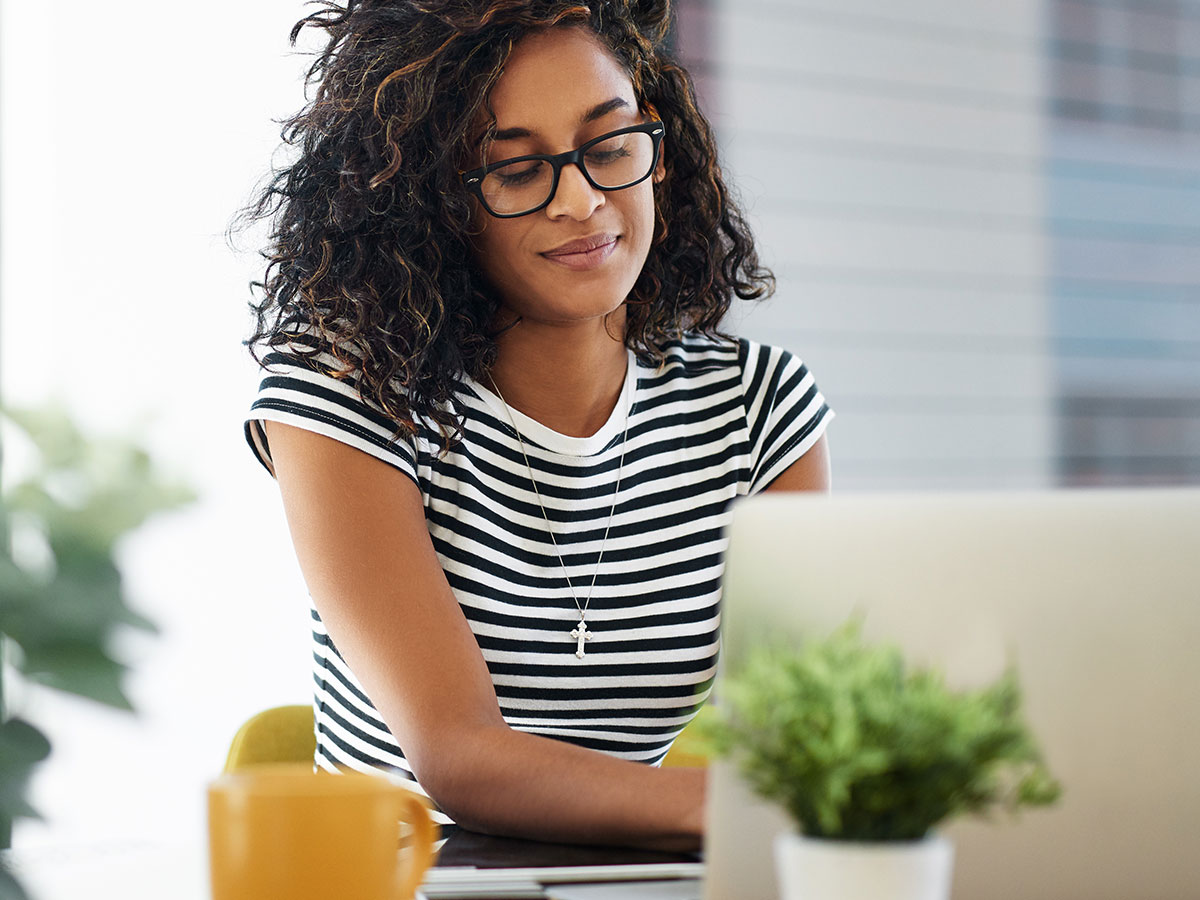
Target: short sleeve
{"type": "Point", "coordinates": [785, 412]}
{"type": "Point", "coordinates": [301, 391]}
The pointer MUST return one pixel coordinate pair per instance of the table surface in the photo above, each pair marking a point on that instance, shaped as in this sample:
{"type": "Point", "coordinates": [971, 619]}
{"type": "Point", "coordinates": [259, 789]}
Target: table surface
{"type": "Point", "coordinates": [136, 870]}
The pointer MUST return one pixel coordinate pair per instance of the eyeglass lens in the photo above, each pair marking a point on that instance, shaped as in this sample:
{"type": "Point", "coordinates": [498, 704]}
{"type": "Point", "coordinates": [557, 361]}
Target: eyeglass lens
{"type": "Point", "coordinates": [617, 162]}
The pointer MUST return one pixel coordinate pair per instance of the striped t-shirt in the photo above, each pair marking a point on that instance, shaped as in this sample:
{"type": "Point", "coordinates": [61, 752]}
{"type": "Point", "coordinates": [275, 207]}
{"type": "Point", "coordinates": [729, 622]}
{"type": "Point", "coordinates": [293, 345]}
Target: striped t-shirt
{"type": "Point", "coordinates": [717, 420]}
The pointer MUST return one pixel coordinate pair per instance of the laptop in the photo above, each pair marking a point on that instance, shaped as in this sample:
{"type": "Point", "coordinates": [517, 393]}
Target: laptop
{"type": "Point", "coordinates": [1094, 595]}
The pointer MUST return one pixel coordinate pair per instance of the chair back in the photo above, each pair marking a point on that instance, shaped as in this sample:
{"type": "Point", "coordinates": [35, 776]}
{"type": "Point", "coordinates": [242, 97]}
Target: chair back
{"type": "Point", "coordinates": [279, 734]}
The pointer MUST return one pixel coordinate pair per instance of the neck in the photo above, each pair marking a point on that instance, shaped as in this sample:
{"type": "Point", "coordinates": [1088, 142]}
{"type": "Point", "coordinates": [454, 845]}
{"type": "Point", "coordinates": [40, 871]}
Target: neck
{"type": "Point", "coordinates": [566, 376]}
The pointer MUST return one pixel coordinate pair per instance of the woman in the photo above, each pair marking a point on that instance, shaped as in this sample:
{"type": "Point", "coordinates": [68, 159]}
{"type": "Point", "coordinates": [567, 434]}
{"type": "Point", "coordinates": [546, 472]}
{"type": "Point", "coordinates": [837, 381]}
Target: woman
{"type": "Point", "coordinates": [505, 429]}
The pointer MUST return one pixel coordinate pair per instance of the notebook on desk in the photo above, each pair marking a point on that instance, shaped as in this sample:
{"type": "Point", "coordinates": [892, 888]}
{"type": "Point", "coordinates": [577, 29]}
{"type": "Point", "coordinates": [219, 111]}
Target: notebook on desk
{"type": "Point", "coordinates": [1095, 595]}
{"type": "Point", "coordinates": [472, 865]}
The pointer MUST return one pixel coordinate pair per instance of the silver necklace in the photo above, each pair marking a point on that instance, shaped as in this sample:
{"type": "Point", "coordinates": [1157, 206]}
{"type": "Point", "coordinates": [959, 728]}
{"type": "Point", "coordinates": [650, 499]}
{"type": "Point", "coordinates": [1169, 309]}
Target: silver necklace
{"type": "Point", "coordinates": [580, 632]}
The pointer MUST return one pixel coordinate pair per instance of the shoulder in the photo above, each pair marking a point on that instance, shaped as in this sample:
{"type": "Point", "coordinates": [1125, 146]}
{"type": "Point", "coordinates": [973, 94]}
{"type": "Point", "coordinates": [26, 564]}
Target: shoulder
{"type": "Point", "coordinates": [306, 347]}
{"type": "Point", "coordinates": [314, 385]}
{"type": "Point", "coordinates": [698, 354]}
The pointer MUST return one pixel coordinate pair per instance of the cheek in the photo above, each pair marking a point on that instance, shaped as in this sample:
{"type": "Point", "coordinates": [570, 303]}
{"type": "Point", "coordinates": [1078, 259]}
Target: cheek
{"type": "Point", "coordinates": [642, 214]}
{"type": "Point", "coordinates": [495, 248]}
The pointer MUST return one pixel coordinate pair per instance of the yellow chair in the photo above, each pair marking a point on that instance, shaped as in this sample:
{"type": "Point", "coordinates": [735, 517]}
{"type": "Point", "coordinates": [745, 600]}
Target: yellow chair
{"type": "Point", "coordinates": [688, 750]}
{"type": "Point", "coordinates": [279, 734]}
{"type": "Point", "coordinates": [285, 734]}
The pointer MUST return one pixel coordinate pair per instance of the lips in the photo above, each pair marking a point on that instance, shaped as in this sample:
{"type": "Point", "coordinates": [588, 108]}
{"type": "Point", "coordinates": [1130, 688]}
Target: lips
{"type": "Point", "coordinates": [585, 253]}
{"type": "Point", "coordinates": [583, 245]}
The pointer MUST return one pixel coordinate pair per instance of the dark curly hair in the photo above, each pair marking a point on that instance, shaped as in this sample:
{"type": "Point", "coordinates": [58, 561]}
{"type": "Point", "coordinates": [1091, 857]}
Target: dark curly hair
{"type": "Point", "coordinates": [370, 249]}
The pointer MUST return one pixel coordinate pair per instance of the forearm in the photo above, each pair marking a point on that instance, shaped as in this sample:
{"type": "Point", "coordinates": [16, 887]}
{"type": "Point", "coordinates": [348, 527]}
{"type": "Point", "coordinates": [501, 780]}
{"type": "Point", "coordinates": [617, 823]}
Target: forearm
{"type": "Point", "coordinates": [504, 781]}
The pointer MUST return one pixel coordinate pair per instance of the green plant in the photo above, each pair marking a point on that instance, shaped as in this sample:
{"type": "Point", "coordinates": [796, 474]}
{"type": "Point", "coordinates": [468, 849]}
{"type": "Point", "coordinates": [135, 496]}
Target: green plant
{"type": "Point", "coordinates": [858, 747]}
{"type": "Point", "coordinates": [61, 599]}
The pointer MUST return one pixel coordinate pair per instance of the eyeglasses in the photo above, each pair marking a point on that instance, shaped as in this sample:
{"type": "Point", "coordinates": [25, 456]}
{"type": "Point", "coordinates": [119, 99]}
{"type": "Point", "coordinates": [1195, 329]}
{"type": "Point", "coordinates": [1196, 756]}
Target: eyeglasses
{"type": "Point", "coordinates": [524, 184]}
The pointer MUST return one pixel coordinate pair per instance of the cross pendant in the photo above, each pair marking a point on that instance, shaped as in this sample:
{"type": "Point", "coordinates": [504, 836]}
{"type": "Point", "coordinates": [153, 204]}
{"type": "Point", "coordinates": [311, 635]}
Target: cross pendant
{"type": "Point", "coordinates": [581, 634]}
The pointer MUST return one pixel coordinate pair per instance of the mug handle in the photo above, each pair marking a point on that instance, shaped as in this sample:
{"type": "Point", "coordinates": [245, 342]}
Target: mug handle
{"type": "Point", "coordinates": [412, 865]}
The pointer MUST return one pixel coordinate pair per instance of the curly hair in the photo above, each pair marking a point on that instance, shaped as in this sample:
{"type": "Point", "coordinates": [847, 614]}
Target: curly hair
{"type": "Point", "coordinates": [370, 244]}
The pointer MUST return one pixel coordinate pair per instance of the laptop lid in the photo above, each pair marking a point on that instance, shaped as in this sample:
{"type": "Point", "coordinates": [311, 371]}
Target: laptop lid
{"type": "Point", "coordinates": [1096, 595]}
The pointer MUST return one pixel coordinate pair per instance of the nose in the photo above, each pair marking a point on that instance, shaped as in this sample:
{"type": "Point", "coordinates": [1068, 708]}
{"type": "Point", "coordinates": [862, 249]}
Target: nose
{"type": "Point", "coordinates": [574, 197]}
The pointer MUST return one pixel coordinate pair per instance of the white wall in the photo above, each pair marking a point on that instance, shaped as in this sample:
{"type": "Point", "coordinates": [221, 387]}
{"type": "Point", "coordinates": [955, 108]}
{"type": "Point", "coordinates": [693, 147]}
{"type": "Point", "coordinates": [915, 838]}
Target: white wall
{"type": "Point", "coordinates": [889, 156]}
{"type": "Point", "coordinates": [130, 136]}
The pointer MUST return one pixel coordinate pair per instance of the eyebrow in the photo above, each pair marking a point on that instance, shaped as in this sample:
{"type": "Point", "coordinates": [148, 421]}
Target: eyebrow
{"type": "Point", "coordinates": [599, 111]}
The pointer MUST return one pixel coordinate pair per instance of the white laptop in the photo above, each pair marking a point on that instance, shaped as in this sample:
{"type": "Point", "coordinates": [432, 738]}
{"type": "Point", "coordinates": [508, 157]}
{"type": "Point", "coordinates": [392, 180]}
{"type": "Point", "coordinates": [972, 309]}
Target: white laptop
{"type": "Point", "coordinates": [1096, 595]}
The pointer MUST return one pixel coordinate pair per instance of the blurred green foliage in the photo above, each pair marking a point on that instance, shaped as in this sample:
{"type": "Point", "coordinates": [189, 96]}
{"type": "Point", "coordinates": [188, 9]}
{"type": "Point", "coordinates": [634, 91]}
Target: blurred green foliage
{"type": "Point", "coordinates": [856, 746]}
{"type": "Point", "coordinates": [61, 598]}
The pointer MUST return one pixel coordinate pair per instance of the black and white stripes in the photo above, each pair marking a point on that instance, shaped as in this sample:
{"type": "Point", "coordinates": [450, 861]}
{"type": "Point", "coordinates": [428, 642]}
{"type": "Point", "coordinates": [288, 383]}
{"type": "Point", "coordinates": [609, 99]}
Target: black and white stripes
{"type": "Point", "coordinates": [717, 420]}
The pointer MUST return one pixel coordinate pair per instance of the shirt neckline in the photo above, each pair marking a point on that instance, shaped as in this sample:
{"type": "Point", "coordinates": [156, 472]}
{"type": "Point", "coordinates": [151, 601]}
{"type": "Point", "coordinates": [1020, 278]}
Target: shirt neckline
{"type": "Point", "coordinates": [534, 432]}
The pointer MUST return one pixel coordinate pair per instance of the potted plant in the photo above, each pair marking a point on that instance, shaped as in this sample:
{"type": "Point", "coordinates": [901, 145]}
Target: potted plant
{"type": "Point", "coordinates": [868, 756]}
{"type": "Point", "coordinates": [61, 598]}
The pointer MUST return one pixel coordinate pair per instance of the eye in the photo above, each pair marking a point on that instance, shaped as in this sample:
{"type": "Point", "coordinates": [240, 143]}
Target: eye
{"type": "Point", "coordinates": [598, 157]}
{"type": "Point", "coordinates": [515, 176]}
{"type": "Point", "coordinates": [609, 151]}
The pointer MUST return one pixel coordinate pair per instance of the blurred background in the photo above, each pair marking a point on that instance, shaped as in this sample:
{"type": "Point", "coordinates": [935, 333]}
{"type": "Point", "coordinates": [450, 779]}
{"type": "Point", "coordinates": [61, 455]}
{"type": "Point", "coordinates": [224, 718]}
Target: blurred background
{"type": "Point", "coordinates": [984, 218]}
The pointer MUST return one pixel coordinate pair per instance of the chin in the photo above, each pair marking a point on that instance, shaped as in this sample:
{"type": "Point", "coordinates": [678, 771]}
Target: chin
{"type": "Point", "coordinates": [565, 309]}
{"type": "Point", "coordinates": [583, 295]}
{"type": "Point", "coordinates": [579, 314]}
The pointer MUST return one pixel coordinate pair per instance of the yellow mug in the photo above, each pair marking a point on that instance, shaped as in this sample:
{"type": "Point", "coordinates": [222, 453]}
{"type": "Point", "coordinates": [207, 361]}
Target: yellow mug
{"type": "Point", "coordinates": [281, 832]}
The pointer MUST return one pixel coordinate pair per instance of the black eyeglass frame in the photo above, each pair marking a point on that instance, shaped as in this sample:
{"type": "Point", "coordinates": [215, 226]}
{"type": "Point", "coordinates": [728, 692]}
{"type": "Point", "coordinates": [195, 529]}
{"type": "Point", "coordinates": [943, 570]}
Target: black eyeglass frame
{"type": "Point", "coordinates": [474, 178]}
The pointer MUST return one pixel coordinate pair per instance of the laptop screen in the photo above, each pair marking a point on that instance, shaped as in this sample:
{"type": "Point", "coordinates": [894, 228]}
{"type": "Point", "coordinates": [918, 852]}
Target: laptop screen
{"type": "Point", "coordinates": [1096, 598]}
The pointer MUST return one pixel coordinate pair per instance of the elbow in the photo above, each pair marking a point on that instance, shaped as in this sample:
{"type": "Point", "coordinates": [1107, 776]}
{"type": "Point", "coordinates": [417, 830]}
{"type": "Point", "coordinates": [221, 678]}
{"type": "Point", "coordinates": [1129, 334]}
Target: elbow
{"type": "Point", "coordinates": [459, 773]}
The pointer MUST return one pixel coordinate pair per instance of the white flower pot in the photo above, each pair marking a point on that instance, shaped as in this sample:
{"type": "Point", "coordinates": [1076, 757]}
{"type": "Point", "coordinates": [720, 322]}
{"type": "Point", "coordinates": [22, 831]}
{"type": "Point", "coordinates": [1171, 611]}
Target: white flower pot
{"type": "Point", "coordinates": [821, 869]}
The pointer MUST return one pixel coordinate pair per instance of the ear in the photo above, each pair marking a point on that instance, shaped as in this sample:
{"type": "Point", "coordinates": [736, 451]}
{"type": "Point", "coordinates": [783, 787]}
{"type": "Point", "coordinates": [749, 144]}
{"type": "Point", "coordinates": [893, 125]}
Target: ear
{"type": "Point", "coordinates": [660, 169]}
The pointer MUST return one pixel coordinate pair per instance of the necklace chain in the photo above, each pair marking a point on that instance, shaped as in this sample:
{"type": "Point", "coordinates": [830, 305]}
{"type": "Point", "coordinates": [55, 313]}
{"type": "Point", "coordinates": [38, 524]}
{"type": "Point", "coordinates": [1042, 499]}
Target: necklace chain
{"type": "Point", "coordinates": [581, 632]}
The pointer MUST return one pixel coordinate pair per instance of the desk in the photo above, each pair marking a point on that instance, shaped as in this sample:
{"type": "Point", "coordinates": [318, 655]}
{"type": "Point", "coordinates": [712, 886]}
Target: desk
{"type": "Point", "coordinates": [134, 870]}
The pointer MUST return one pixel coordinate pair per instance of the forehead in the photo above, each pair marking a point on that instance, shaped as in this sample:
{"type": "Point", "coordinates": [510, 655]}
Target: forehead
{"type": "Point", "coordinates": [552, 76]}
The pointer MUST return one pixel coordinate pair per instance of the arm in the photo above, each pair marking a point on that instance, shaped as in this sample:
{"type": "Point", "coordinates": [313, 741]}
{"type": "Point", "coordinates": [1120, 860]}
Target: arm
{"type": "Point", "coordinates": [358, 526]}
{"type": "Point", "coordinates": [809, 473]}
